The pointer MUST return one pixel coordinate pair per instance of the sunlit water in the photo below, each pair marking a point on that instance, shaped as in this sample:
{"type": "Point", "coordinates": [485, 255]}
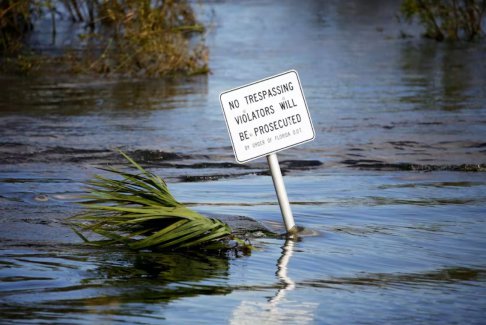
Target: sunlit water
{"type": "Point", "coordinates": [393, 189]}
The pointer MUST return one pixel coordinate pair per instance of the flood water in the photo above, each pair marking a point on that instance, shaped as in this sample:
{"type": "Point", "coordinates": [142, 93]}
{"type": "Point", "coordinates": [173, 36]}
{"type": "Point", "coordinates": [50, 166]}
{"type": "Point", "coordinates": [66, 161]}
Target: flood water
{"type": "Point", "coordinates": [393, 188]}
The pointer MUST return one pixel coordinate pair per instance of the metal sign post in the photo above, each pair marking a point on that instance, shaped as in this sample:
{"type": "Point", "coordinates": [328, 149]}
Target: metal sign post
{"type": "Point", "coordinates": [283, 200]}
{"type": "Point", "coordinates": [265, 117]}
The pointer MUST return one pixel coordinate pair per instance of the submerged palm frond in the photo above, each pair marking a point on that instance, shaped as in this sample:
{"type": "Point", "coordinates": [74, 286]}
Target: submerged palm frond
{"type": "Point", "coordinates": [138, 210]}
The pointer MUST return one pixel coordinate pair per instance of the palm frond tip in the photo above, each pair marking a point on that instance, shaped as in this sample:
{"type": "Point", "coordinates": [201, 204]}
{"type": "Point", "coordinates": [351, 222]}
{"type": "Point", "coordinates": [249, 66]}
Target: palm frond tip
{"type": "Point", "coordinates": [137, 209]}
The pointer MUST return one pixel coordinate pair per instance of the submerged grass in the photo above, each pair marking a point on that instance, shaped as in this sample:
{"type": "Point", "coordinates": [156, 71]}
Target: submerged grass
{"type": "Point", "coordinates": [132, 38]}
{"type": "Point", "coordinates": [136, 209]}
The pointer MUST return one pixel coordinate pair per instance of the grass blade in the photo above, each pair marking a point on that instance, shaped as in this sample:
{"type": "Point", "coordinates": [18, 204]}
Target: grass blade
{"type": "Point", "coordinates": [136, 208]}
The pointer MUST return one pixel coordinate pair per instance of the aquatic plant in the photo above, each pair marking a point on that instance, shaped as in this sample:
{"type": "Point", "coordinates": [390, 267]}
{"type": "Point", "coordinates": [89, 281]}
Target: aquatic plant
{"type": "Point", "coordinates": [137, 210]}
{"type": "Point", "coordinates": [15, 22]}
{"type": "Point", "coordinates": [131, 37]}
{"type": "Point", "coordinates": [144, 37]}
{"type": "Point", "coordinates": [447, 19]}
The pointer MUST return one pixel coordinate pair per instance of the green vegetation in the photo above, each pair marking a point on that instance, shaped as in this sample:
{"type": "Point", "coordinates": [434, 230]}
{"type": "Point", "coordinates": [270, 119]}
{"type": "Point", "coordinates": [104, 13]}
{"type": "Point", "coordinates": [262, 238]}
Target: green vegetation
{"type": "Point", "coordinates": [138, 211]}
{"type": "Point", "coordinates": [131, 37]}
{"type": "Point", "coordinates": [447, 19]}
{"type": "Point", "coordinates": [15, 23]}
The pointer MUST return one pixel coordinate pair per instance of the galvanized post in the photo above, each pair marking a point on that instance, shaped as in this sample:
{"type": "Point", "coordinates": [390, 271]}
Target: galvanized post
{"type": "Point", "coordinates": [283, 200]}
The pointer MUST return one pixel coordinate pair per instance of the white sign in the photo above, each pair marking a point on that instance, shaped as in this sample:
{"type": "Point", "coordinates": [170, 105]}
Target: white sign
{"type": "Point", "coordinates": [267, 116]}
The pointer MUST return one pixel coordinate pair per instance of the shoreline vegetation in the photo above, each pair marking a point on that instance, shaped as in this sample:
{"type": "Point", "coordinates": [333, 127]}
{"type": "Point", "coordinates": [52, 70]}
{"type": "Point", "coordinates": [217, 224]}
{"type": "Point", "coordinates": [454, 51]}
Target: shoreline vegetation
{"type": "Point", "coordinates": [140, 38]}
{"type": "Point", "coordinates": [447, 20]}
{"type": "Point", "coordinates": [144, 38]}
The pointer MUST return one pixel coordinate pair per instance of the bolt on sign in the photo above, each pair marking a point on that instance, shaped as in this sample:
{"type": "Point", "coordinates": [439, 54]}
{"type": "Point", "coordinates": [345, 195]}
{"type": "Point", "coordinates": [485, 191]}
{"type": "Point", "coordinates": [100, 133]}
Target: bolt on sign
{"type": "Point", "coordinates": [267, 116]}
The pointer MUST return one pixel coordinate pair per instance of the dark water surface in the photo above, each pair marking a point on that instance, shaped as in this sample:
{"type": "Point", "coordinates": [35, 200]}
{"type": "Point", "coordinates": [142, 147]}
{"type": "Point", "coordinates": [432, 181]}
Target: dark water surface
{"type": "Point", "coordinates": [393, 187]}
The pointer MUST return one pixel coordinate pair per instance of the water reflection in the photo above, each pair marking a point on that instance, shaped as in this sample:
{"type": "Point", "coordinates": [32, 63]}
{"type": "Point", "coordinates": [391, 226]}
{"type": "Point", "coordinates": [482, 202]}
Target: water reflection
{"type": "Point", "coordinates": [278, 309]}
{"type": "Point", "coordinates": [74, 283]}
{"type": "Point", "coordinates": [287, 282]}
{"type": "Point", "coordinates": [446, 276]}
{"type": "Point", "coordinates": [88, 96]}
{"type": "Point", "coordinates": [440, 77]}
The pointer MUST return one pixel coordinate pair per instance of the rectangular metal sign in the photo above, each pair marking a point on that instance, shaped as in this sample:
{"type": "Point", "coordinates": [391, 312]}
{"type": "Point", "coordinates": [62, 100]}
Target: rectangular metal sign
{"type": "Point", "coordinates": [267, 116]}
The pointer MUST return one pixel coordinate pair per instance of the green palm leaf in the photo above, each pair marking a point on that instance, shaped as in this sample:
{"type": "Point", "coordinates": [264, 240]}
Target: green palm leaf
{"type": "Point", "coordinates": [137, 209]}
